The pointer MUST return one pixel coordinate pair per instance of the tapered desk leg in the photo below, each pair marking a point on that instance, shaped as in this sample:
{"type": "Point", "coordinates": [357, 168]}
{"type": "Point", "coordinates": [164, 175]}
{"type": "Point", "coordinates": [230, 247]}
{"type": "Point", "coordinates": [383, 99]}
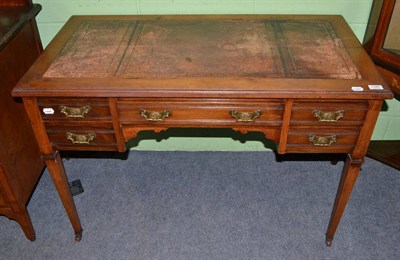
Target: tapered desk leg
{"type": "Point", "coordinates": [25, 222]}
{"type": "Point", "coordinates": [349, 176]}
{"type": "Point", "coordinates": [59, 177]}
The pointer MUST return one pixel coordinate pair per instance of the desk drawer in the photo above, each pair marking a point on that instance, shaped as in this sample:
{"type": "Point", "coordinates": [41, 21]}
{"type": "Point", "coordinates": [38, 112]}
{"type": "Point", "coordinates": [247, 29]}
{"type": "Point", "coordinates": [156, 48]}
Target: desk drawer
{"type": "Point", "coordinates": [200, 112]}
{"type": "Point", "coordinates": [85, 136]}
{"type": "Point", "coordinates": [74, 108]}
{"type": "Point", "coordinates": [328, 113]}
{"type": "Point", "coordinates": [322, 140]}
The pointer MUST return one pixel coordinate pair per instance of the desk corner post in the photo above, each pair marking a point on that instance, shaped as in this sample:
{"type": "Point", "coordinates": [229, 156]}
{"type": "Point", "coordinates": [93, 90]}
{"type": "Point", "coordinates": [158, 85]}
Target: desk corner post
{"type": "Point", "coordinates": [349, 176]}
{"type": "Point", "coordinates": [352, 168]}
{"type": "Point", "coordinates": [53, 161]}
{"type": "Point", "coordinates": [60, 180]}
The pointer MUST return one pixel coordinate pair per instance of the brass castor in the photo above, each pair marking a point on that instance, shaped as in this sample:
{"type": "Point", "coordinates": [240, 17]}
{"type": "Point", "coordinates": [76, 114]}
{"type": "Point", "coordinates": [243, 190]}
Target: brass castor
{"type": "Point", "coordinates": [78, 236]}
{"type": "Point", "coordinates": [328, 241]}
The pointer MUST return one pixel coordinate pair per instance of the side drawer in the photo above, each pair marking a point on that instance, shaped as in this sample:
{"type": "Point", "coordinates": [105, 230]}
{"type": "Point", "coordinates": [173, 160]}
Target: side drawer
{"type": "Point", "coordinates": [322, 140]}
{"type": "Point", "coordinates": [200, 112]}
{"type": "Point", "coordinates": [328, 113]}
{"type": "Point", "coordinates": [74, 108]}
{"type": "Point", "coordinates": [81, 136]}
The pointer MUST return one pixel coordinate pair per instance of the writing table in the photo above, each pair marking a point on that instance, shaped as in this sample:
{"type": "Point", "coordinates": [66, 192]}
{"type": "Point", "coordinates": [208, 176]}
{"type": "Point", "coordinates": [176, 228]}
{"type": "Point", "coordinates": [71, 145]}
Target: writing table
{"type": "Point", "coordinates": [303, 81]}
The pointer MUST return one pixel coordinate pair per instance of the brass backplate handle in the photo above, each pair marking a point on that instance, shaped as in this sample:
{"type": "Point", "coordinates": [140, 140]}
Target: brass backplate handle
{"type": "Point", "coordinates": [155, 116]}
{"type": "Point", "coordinates": [245, 116]}
{"type": "Point", "coordinates": [329, 117]}
{"type": "Point", "coordinates": [75, 112]}
{"type": "Point", "coordinates": [80, 139]}
{"type": "Point", "coordinates": [322, 140]}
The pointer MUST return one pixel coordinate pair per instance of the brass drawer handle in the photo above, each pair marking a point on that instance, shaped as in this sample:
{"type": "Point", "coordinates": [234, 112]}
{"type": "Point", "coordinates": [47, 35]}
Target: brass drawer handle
{"type": "Point", "coordinates": [80, 139]}
{"type": "Point", "coordinates": [245, 116]}
{"type": "Point", "coordinates": [75, 112]}
{"type": "Point", "coordinates": [155, 116]}
{"type": "Point", "coordinates": [322, 140]}
{"type": "Point", "coordinates": [329, 117]}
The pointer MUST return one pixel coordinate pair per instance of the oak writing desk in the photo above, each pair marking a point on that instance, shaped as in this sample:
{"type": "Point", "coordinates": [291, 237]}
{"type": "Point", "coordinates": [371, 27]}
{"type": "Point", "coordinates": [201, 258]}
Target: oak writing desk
{"type": "Point", "coordinates": [303, 81]}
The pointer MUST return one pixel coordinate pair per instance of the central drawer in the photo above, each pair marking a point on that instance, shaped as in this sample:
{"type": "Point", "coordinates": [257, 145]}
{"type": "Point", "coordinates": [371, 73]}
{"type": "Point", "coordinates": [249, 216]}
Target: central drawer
{"type": "Point", "coordinates": [200, 112]}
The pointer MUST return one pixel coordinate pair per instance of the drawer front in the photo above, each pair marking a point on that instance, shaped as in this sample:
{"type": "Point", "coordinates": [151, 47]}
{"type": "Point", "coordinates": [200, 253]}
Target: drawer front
{"type": "Point", "coordinates": [328, 113]}
{"type": "Point", "coordinates": [322, 140]}
{"type": "Point", "coordinates": [87, 136]}
{"type": "Point", "coordinates": [74, 108]}
{"type": "Point", "coordinates": [200, 112]}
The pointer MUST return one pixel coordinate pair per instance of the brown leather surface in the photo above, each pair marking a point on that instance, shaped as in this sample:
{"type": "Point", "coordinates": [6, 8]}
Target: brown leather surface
{"type": "Point", "coordinates": [227, 48]}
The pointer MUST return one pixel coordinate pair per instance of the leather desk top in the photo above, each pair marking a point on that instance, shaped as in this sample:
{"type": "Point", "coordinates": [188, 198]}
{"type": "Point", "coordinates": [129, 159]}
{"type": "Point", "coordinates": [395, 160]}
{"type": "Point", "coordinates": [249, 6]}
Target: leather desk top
{"type": "Point", "coordinates": [198, 48]}
{"type": "Point", "coordinates": [265, 56]}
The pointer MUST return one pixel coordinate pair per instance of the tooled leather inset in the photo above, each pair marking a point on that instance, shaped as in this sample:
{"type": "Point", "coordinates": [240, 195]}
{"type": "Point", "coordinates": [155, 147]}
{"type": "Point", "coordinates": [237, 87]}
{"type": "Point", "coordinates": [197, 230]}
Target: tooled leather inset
{"type": "Point", "coordinates": [204, 48]}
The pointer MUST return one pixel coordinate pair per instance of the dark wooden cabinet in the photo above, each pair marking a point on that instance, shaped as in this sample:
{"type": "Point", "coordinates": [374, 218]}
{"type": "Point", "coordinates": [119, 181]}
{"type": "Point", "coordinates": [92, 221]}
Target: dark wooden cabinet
{"type": "Point", "coordinates": [20, 159]}
{"type": "Point", "coordinates": [382, 41]}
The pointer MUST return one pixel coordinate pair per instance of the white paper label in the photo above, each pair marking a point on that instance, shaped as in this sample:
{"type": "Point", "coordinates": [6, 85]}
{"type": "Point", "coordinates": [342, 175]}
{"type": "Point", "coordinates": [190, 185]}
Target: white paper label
{"type": "Point", "coordinates": [375, 87]}
{"type": "Point", "coordinates": [356, 88]}
{"type": "Point", "coordinates": [48, 111]}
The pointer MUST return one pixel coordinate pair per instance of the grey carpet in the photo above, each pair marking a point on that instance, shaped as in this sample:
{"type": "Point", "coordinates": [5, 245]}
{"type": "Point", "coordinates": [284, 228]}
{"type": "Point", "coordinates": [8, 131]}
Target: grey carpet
{"type": "Point", "coordinates": [211, 205]}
